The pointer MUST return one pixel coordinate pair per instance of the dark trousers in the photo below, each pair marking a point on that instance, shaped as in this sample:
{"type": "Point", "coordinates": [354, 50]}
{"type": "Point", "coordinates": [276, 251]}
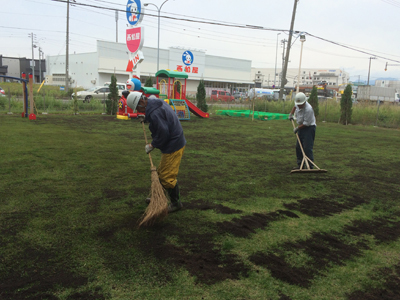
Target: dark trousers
{"type": "Point", "coordinates": [306, 136]}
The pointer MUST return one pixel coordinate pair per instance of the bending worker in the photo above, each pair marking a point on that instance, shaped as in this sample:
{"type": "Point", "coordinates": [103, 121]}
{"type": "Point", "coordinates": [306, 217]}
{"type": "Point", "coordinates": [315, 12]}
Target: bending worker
{"type": "Point", "coordinates": [167, 133]}
{"type": "Point", "coordinates": [306, 128]}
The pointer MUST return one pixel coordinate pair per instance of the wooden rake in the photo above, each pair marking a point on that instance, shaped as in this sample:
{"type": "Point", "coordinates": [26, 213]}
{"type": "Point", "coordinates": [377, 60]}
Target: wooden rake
{"type": "Point", "coordinates": [305, 161]}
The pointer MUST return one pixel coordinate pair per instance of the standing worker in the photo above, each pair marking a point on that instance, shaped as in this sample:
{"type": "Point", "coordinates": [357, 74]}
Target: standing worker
{"type": "Point", "coordinates": [306, 128]}
{"type": "Point", "coordinates": [167, 133]}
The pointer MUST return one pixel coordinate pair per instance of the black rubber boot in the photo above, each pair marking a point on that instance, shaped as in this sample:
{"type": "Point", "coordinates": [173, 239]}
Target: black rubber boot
{"type": "Point", "coordinates": [174, 196]}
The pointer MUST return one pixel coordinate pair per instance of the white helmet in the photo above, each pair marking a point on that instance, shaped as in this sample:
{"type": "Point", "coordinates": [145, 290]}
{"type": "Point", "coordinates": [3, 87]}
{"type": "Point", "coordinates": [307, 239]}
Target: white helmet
{"type": "Point", "coordinates": [133, 99]}
{"type": "Point", "coordinates": [300, 98]}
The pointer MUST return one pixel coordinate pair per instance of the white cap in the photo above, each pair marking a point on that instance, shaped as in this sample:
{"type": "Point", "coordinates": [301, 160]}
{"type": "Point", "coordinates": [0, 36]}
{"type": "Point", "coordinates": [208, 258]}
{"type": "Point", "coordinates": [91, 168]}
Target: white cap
{"type": "Point", "coordinates": [133, 99]}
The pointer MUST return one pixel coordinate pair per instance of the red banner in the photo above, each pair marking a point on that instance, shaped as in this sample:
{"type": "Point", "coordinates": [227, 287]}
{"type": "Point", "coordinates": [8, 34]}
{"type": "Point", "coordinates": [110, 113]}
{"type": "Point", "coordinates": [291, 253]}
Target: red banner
{"type": "Point", "coordinates": [134, 40]}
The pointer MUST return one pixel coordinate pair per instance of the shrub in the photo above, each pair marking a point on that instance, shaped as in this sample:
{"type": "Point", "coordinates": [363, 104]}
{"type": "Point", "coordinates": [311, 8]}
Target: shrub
{"type": "Point", "coordinates": [113, 97]}
{"type": "Point", "coordinates": [346, 104]}
{"type": "Point", "coordinates": [201, 96]}
{"type": "Point", "coordinates": [313, 100]}
{"type": "Point", "coordinates": [149, 82]}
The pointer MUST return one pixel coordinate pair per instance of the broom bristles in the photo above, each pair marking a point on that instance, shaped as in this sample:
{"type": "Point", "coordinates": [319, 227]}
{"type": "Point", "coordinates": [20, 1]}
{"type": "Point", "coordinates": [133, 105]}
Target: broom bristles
{"type": "Point", "coordinates": [158, 206]}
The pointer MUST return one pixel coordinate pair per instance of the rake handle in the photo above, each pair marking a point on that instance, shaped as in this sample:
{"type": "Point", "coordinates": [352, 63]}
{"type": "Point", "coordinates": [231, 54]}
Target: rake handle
{"type": "Point", "coordinates": [301, 147]}
{"type": "Point", "coordinates": [145, 137]}
{"type": "Point", "coordinates": [298, 139]}
{"type": "Point", "coordinates": [304, 155]}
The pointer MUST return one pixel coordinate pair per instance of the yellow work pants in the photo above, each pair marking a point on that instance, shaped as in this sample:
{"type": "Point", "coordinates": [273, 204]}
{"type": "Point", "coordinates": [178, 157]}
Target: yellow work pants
{"type": "Point", "coordinates": [169, 168]}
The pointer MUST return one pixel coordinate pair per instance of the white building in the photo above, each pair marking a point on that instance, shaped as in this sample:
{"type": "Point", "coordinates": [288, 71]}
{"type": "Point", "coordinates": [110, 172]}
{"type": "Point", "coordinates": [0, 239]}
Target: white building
{"type": "Point", "coordinates": [93, 69]}
{"type": "Point", "coordinates": [388, 83]}
{"type": "Point", "coordinates": [266, 78]}
{"type": "Point", "coordinates": [222, 73]}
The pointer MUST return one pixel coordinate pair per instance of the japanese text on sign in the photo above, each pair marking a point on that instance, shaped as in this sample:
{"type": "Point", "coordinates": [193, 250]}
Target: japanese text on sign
{"type": "Point", "coordinates": [133, 37]}
{"type": "Point", "coordinates": [187, 69]}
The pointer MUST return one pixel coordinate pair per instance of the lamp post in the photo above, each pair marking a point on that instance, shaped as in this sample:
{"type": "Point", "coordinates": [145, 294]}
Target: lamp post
{"type": "Point", "coordinates": [302, 40]}
{"type": "Point", "coordinates": [276, 57]}
{"type": "Point", "coordinates": [158, 40]}
{"type": "Point", "coordinates": [369, 69]}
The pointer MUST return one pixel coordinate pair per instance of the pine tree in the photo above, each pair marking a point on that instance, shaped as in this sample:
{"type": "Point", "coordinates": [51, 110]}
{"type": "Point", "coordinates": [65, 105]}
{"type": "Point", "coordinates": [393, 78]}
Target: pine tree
{"type": "Point", "coordinates": [113, 97]}
{"type": "Point", "coordinates": [201, 96]}
{"type": "Point", "coordinates": [313, 100]}
{"type": "Point", "coordinates": [346, 105]}
{"type": "Point", "coordinates": [149, 82]}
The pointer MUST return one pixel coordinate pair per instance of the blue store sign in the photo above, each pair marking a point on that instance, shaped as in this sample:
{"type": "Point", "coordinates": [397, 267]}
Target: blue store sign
{"type": "Point", "coordinates": [133, 12]}
{"type": "Point", "coordinates": [187, 58]}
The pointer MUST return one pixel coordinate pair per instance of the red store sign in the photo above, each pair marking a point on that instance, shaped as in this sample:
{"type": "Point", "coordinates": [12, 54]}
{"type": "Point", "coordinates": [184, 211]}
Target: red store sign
{"type": "Point", "coordinates": [187, 69]}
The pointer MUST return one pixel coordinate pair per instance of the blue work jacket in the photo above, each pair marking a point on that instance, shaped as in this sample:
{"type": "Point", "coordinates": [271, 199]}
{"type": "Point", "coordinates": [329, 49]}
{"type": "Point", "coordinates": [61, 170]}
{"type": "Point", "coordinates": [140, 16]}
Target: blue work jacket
{"type": "Point", "coordinates": [166, 129]}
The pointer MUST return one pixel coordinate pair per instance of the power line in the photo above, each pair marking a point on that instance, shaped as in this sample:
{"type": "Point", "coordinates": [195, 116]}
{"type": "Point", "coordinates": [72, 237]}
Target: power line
{"type": "Point", "coordinates": [351, 48]}
{"type": "Point", "coordinates": [255, 27]}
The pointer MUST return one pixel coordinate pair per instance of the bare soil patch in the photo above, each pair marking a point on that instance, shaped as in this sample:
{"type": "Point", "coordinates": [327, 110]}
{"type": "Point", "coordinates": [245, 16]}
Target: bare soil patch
{"type": "Point", "coordinates": [36, 275]}
{"type": "Point", "coordinates": [324, 250]}
{"type": "Point", "coordinates": [326, 206]}
{"type": "Point", "coordinates": [246, 225]}
{"type": "Point", "coordinates": [389, 291]}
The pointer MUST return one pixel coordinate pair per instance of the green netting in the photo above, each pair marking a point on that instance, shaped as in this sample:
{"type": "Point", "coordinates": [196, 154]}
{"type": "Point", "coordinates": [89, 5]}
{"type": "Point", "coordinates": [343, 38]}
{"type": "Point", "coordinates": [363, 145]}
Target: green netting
{"type": "Point", "coordinates": [258, 115]}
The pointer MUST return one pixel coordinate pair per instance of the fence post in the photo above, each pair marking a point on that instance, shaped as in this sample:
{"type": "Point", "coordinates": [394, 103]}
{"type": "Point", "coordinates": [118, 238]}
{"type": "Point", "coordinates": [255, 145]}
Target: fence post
{"type": "Point", "coordinates": [377, 113]}
{"type": "Point", "coordinates": [44, 112]}
{"type": "Point", "coordinates": [9, 102]}
{"type": "Point", "coordinates": [326, 103]}
{"type": "Point", "coordinates": [104, 104]}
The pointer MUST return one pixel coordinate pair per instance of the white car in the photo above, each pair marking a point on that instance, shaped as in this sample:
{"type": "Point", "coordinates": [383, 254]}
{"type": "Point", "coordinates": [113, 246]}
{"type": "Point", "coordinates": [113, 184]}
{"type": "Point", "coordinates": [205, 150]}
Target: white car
{"type": "Point", "coordinates": [98, 92]}
{"type": "Point", "coordinates": [121, 87]}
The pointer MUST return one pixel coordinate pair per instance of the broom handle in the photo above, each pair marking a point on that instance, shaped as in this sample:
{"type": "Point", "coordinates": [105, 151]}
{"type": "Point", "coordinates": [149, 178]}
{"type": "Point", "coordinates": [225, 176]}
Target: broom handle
{"type": "Point", "coordinates": [145, 137]}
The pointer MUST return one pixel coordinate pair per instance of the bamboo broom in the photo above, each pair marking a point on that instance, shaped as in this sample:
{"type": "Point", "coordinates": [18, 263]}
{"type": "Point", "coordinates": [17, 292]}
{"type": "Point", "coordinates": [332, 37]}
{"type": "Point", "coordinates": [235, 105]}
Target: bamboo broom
{"type": "Point", "coordinates": [158, 206]}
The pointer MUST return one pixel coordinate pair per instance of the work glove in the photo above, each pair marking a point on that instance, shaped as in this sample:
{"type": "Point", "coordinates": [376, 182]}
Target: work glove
{"type": "Point", "coordinates": [140, 118]}
{"type": "Point", "coordinates": [148, 148]}
{"type": "Point", "coordinates": [295, 130]}
{"type": "Point", "coordinates": [291, 117]}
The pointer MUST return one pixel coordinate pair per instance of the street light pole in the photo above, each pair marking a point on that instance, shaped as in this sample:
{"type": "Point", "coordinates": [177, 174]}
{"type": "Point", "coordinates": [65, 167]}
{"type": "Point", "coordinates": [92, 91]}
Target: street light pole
{"type": "Point", "coordinates": [302, 40]}
{"type": "Point", "coordinates": [276, 57]}
{"type": "Point", "coordinates": [158, 39]}
{"type": "Point", "coordinates": [369, 69]}
{"type": "Point", "coordinates": [33, 36]}
{"type": "Point", "coordinates": [67, 52]}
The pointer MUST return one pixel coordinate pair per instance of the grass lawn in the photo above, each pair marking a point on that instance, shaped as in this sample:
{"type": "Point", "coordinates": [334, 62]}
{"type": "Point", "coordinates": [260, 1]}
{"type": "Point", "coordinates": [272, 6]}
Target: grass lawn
{"type": "Point", "coordinates": [72, 190]}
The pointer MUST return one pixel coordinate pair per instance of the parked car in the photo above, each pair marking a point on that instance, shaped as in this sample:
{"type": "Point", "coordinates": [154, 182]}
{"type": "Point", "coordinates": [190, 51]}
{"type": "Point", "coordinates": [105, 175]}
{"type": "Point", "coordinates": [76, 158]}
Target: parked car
{"type": "Point", "coordinates": [121, 87]}
{"type": "Point", "coordinates": [239, 96]}
{"type": "Point", "coordinates": [98, 92]}
{"type": "Point", "coordinates": [221, 96]}
{"type": "Point", "coordinates": [2, 92]}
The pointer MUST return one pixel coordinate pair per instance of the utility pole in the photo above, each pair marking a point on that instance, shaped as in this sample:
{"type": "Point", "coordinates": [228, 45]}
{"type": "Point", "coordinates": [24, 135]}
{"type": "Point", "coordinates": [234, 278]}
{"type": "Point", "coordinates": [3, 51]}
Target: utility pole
{"type": "Point", "coordinates": [283, 55]}
{"type": "Point", "coordinates": [284, 81]}
{"type": "Point", "coordinates": [33, 56]}
{"type": "Point", "coordinates": [276, 58]}
{"type": "Point", "coordinates": [67, 51]}
{"type": "Point", "coordinates": [40, 65]}
{"type": "Point", "coordinates": [116, 26]}
{"type": "Point", "coordinates": [369, 69]}
{"type": "Point", "coordinates": [283, 59]}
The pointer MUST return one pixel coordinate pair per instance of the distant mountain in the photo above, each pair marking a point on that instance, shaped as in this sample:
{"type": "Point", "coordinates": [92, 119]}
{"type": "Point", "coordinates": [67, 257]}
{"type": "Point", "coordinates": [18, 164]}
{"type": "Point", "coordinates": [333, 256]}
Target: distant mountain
{"type": "Point", "coordinates": [386, 78]}
{"type": "Point", "coordinates": [372, 81]}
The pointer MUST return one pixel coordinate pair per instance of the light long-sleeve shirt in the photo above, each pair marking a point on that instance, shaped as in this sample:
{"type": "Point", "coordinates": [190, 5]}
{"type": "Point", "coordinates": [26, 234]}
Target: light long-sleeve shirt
{"type": "Point", "coordinates": [305, 116]}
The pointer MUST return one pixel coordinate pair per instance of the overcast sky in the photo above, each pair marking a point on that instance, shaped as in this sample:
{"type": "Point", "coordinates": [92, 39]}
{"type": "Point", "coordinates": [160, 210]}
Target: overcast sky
{"type": "Point", "coordinates": [369, 26]}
